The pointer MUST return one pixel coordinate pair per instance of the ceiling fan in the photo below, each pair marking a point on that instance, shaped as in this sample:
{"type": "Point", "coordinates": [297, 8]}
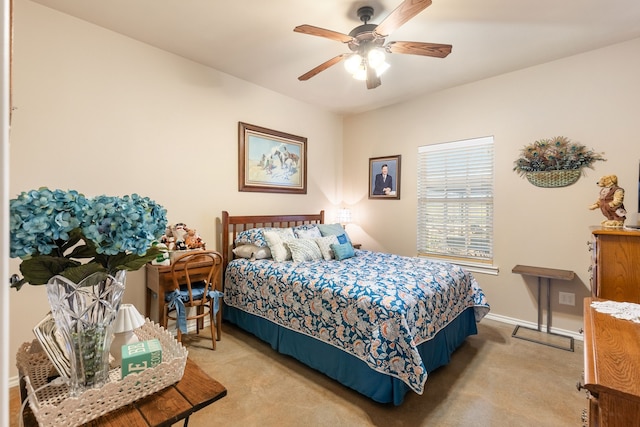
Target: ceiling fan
{"type": "Point", "coordinates": [367, 43]}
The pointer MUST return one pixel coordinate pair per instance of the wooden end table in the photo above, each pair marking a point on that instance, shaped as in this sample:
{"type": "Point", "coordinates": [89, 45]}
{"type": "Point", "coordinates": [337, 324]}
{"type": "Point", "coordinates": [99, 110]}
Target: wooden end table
{"type": "Point", "coordinates": [193, 392]}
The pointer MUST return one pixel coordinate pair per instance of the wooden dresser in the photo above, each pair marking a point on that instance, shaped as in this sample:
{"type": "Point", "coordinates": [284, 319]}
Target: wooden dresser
{"type": "Point", "coordinates": [615, 267]}
{"type": "Point", "coordinates": [611, 369]}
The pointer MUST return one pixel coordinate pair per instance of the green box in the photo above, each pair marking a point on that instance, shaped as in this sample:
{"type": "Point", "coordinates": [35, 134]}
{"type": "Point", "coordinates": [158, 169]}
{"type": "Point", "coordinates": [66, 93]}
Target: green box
{"type": "Point", "coordinates": [141, 355]}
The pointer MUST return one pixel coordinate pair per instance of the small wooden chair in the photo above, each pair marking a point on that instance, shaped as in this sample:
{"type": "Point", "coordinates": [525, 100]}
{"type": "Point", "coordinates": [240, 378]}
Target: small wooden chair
{"type": "Point", "coordinates": [195, 275]}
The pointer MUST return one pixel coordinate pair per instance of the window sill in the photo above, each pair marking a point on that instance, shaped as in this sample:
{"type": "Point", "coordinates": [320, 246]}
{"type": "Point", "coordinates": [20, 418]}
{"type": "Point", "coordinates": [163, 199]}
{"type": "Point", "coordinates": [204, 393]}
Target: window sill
{"type": "Point", "coordinates": [474, 267]}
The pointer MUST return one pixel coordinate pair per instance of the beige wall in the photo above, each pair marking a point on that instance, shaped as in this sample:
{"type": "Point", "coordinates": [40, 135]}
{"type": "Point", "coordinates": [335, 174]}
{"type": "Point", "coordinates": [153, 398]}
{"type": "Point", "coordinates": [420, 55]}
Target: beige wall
{"type": "Point", "coordinates": [591, 98]}
{"type": "Point", "coordinates": [103, 114]}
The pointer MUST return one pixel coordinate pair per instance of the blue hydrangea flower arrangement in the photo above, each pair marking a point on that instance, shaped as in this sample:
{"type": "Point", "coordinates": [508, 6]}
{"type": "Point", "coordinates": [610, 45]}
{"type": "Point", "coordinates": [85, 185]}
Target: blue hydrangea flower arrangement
{"type": "Point", "coordinates": [58, 232]}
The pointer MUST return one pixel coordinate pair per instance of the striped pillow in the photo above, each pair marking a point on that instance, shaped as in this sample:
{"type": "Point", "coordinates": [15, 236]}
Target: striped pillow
{"type": "Point", "coordinates": [303, 250]}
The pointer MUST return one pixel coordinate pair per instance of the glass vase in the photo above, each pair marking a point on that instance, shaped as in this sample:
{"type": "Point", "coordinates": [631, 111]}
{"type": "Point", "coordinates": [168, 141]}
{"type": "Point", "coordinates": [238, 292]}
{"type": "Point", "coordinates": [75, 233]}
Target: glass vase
{"type": "Point", "coordinates": [84, 314]}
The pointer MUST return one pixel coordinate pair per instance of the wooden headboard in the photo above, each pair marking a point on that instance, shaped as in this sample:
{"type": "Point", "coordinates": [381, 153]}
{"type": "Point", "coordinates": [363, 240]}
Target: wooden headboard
{"type": "Point", "coordinates": [232, 225]}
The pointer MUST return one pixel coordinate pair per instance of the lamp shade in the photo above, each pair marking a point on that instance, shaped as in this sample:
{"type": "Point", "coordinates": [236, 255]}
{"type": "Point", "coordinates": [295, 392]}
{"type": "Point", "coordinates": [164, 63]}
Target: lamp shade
{"type": "Point", "coordinates": [352, 63]}
{"type": "Point", "coordinates": [376, 58]}
{"type": "Point", "coordinates": [128, 319]}
{"type": "Point", "coordinates": [380, 69]}
{"type": "Point", "coordinates": [343, 216]}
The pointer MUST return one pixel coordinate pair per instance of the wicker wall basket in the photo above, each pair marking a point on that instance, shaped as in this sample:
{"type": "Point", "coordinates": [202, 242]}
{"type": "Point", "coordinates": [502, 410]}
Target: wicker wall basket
{"type": "Point", "coordinates": [551, 179]}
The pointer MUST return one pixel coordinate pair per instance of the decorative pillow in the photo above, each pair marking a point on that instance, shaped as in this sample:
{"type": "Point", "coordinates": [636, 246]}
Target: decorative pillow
{"type": "Point", "coordinates": [336, 230]}
{"type": "Point", "coordinates": [279, 252]}
{"type": "Point", "coordinates": [284, 233]}
{"type": "Point", "coordinates": [252, 251]}
{"type": "Point", "coordinates": [307, 231]}
{"type": "Point", "coordinates": [343, 251]}
{"type": "Point", "coordinates": [253, 236]}
{"type": "Point", "coordinates": [324, 243]}
{"type": "Point", "coordinates": [304, 250]}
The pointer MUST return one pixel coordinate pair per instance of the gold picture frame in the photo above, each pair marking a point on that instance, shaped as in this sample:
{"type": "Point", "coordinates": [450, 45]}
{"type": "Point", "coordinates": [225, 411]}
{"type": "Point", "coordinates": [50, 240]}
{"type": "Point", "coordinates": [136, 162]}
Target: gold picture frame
{"type": "Point", "coordinates": [271, 161]}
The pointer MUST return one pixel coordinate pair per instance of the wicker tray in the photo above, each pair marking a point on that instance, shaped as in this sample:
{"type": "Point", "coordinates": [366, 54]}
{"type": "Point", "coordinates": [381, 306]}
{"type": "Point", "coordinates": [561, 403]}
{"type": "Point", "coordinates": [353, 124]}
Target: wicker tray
{"type": "Point", "coordinates": [52, 405]}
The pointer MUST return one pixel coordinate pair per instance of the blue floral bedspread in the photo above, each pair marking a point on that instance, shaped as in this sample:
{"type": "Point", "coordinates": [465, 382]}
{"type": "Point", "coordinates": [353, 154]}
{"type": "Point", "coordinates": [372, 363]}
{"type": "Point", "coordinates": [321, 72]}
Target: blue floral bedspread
{"type": "Point", "coordinates": [378, 307]}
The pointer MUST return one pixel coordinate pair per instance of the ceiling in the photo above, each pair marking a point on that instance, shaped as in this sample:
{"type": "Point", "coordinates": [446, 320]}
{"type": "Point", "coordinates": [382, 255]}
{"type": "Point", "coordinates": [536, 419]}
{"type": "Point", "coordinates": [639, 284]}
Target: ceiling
{"type": "Point", "coordinates": [254, 39]}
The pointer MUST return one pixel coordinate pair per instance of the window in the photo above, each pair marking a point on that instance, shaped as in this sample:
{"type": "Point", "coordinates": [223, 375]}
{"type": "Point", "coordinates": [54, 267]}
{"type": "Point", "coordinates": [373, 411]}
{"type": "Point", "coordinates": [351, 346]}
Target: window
{"type": "Point", "coordinates": [455, 201]}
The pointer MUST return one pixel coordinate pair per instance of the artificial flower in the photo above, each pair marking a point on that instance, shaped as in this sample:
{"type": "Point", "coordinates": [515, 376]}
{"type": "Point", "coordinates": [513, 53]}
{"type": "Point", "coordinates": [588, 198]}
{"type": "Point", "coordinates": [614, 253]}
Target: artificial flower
{"type": "Point", "coordinates": [58, 232]}
{"type": "Point", "coordinates": [558, 153]}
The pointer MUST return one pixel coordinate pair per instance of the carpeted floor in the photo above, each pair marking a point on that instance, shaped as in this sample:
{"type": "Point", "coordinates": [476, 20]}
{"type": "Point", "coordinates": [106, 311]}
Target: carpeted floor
{"type": "Point", "coordinates": [493, 380]}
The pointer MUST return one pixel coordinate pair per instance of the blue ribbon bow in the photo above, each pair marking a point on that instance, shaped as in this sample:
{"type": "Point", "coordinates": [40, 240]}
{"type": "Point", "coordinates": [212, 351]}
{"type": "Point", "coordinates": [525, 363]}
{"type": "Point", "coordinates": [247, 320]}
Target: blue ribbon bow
{"type": "Point", "coordinates": [175, 301]}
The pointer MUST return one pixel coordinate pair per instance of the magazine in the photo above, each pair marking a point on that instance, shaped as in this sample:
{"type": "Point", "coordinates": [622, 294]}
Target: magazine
{"type": "Point", "coordinates": [53, 344]}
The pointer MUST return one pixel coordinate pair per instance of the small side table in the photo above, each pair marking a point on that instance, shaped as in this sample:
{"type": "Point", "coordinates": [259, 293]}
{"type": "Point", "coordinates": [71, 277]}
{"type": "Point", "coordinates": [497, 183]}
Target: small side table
{"type": "Point", "coordinates": [547, 273]}
{"type": "Point", "coordinates": [166, 407]}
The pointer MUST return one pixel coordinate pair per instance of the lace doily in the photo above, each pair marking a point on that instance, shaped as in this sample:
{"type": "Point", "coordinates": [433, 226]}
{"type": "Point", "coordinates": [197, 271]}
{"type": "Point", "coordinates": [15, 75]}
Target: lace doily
{"type": "Point", "coordinates": [620, 310]}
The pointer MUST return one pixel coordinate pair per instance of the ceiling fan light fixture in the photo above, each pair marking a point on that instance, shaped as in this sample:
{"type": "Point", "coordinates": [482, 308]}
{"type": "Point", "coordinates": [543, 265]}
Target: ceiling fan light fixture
{"type": "Point", "coordinates": [376, 58]}
{"type": "Point", "coordinates": [361, 73]}
{"type": "Point", "coordinates": [368, 45]}
{"type": "Point", "coordinates": [353, 63]}
{"type": "Point", "coordinates": [380, 69]}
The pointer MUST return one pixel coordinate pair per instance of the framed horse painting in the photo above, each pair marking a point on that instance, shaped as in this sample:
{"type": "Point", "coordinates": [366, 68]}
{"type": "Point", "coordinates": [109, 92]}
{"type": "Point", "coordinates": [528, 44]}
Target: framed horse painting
{"type": "Point", "coordinates": [271, 161]}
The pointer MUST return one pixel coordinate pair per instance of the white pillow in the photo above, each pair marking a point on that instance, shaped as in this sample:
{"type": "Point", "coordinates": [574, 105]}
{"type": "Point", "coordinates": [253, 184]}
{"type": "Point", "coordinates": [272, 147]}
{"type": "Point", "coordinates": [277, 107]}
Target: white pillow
{"type": "Point", "coordinates": [252, 251]}
{"type": "Point", "coordinates": [284, 233]}
{"type": "Point", "coordinates": [279, 252]}
{"type": "Point", "coordinates": [324, 243]}
{"type": "Point", "coordinates": [309, 231]}
{"type": "Point", "coordinates": [304, 250]}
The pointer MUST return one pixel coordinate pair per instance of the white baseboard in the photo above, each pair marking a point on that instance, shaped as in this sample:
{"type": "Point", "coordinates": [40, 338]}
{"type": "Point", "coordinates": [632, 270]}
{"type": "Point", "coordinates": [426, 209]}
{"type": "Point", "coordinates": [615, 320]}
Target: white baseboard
{"type": "Point", "coordinates": [511, 321]}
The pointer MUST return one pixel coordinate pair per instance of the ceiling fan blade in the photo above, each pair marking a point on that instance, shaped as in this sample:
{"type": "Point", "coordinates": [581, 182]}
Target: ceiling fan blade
{"type": "Point", "coordinates": [373, 81]}
{"type": "Point", "coordinates": [401, 14]}
{"type": "Point", "coordinates": [419, 48]}
{"type": "Point", "coordinates": [322, 67]}
{"type": "Point", "coordinates": [321, 32]}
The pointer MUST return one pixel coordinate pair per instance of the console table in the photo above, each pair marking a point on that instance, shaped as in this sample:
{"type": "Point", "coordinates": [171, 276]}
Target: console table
{"type": "Point", "coordinates": [546, 273]}
{"type": "Point", "coordinates": [193, 392]}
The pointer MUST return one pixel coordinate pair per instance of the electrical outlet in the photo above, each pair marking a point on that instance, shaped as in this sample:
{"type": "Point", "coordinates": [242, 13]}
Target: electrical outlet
{"type": "Point", "coordinates": [567, 298]}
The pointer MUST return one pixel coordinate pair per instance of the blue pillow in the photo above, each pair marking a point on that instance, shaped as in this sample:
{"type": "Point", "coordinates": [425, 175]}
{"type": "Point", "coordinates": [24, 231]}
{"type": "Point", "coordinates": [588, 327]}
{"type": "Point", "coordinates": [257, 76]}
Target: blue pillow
{"type": "Point", "coordinates": [334, 230]}
{"type": "Point", "coordinates": [343, 251]}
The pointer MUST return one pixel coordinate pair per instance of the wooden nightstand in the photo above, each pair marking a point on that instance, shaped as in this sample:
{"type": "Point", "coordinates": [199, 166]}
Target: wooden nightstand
{"type": "Point", "coordinates": [356, 245]}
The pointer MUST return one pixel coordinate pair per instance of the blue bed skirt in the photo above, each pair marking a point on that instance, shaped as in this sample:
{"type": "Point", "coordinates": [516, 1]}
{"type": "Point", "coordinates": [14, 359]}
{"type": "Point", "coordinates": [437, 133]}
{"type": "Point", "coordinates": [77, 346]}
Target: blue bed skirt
{"type": "Point", "coordinates": [347, 369]}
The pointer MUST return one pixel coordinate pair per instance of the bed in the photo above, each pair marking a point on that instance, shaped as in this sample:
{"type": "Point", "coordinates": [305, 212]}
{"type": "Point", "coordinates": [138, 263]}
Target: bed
{"type": "Point", "coordinates": [377, 323]}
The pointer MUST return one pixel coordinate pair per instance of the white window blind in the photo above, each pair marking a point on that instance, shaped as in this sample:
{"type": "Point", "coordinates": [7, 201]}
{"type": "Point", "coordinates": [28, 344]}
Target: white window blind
{"type": "Point", "coordinates": [455, 200]}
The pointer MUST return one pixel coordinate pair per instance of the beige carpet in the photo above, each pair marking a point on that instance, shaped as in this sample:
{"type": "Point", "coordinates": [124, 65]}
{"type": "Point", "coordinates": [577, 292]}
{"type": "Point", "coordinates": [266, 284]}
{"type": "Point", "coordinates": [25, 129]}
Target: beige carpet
{"type": "Point", "coordinates": [492, 380]}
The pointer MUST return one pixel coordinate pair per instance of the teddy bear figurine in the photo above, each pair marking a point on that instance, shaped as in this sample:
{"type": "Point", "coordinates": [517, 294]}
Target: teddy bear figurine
{"type": "Point", "coordinates": [610, 202]}
{"type": "Point", "coordinates": [174, 236]}
{"type": "Point", "coordinates": [192, 240]}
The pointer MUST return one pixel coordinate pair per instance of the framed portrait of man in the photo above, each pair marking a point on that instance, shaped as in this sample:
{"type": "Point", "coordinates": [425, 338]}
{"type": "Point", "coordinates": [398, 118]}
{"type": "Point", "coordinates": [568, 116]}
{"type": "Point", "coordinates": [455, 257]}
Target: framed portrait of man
{"type": "Point", "coordinates": [384, 177]}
